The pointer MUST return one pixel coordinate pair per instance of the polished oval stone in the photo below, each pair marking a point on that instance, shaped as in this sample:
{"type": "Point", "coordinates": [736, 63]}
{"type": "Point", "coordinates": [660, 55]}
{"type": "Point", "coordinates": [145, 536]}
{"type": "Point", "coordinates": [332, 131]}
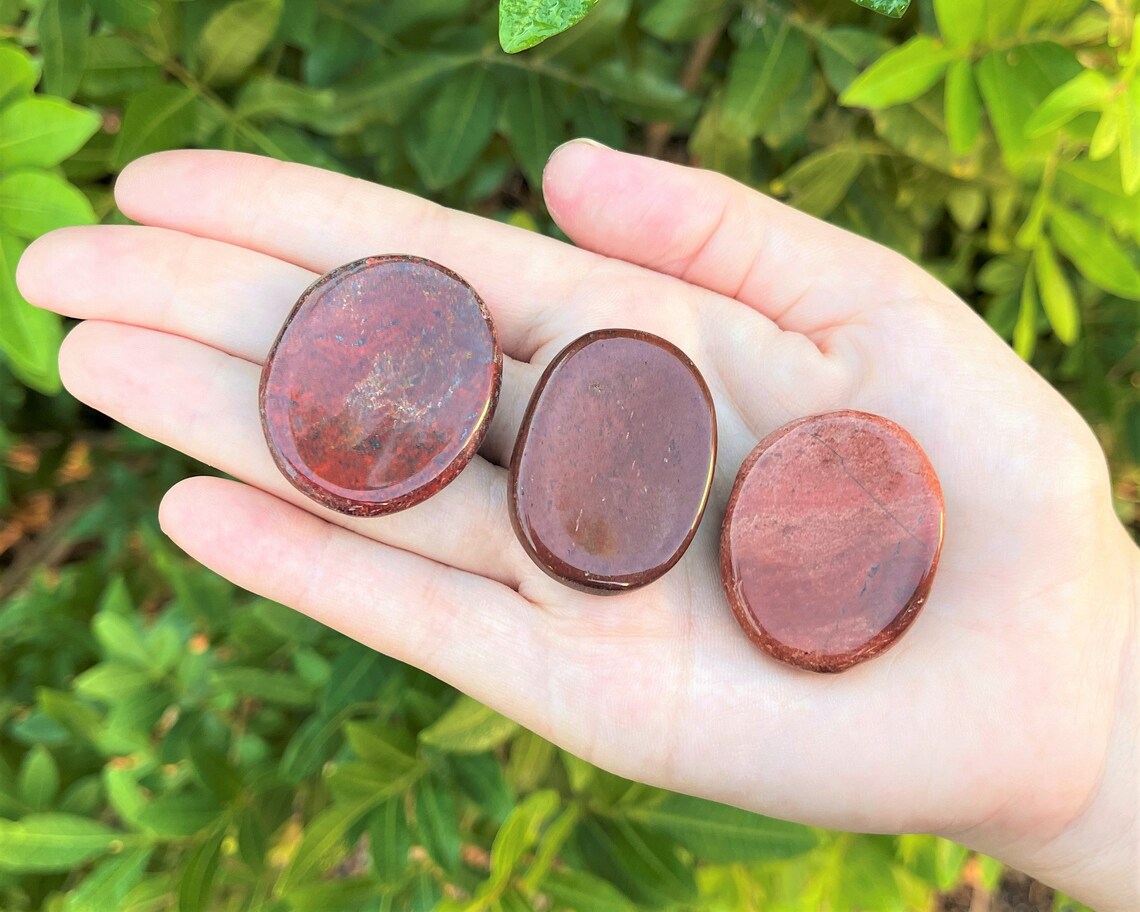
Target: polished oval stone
{"type": "Point", "coordinates": [381, 384]}
{"type": "Point", "coordinates": [612, 467]}
{"type": "Point", "coordinates": [831, 539]}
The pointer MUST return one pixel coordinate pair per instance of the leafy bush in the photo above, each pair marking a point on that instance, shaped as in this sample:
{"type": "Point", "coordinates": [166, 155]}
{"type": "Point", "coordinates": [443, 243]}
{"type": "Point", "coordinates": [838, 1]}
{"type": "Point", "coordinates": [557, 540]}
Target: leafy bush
{"type": "Point", "coordinates": [168, 742]}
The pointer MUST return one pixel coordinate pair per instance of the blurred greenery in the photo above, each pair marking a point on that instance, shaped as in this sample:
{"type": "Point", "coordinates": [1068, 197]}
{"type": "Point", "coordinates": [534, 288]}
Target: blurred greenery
{"type": "Point", "coordinates": [168, 742]}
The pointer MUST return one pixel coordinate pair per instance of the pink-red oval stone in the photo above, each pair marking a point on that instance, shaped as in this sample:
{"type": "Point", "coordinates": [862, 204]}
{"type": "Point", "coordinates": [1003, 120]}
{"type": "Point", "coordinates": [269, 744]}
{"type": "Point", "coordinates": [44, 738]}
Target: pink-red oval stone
{"type": "Point", "coordinates": [612, 467]}
{"type": "Point", "coordinates": [831, 539]}
{"type": "Point", "coordinates": [381, 384]}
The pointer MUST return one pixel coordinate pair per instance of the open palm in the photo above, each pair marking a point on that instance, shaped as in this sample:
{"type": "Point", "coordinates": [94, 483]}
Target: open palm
{"type": "Point", "coordinates": [991, 719]}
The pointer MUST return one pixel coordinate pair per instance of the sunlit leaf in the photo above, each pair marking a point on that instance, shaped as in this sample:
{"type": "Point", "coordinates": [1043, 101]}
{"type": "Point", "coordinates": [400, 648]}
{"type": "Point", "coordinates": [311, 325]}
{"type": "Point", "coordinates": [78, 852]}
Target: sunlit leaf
{"type": "Point", "coordinates": [525, 23]}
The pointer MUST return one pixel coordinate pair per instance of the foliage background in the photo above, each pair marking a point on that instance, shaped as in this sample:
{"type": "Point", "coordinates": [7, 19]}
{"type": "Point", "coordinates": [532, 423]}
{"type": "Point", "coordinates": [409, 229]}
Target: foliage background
{"type": "Point", "coordinates": [168, 742]}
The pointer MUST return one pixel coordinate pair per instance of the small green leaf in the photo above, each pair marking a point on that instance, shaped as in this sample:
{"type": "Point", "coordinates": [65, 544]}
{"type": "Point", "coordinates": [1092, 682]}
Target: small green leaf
{"type": "Point", "coordinates": [1056, 294]}
{"type": "Point", "coordinates": [961, 22]}
{"type": "Point", "coordinates": [436, 822]}
{"type": "Point", "coordinates": [468, 727]}
{"type": "Point", "coordinates": [181, 815]}
{"type": "Point", "coordinates": [234, 38]}
{"type": "Point", "coordinates": [483, 781]}
{"type": "Point", "coordinates": [892, 8]}
{"type": "Point", "coordinates": [520, 832]}
{"type": "Point", "coordinates": [844, 51]}
{"type": "Point", "coordinates": [1091, 247]}
{"type": "Point", "coordinates": [111, 682]}
{"type": "Point", "coordinates": [525, 23]}
{"type": "Point", "coordinates": [387, 749]}
{"type": "Point", "coordinates": [129, 14]}
{"type": "Point", "coordinates": [1106, 136]}
{"type": "Point", "coordinates": [1025, 329]}
{"type": "Point", "coordinates": [53, 842]}
{"type": "Point", "coordinates": [1087, 91]}
{"type": "Point", "coordinates": [271, 686]}
{"type": "Point", "coordinates": [198, 871]}
{"type": "Point", "coordinates": [817, 184]}
{"type": "Point", "coordinates": [1129, 105]}
{"type": "Point", "coordinates": [38, 781]}
{"type": "Point", "coordinates": [43, 131]}
{"type": "Point", "coordinates": [158, 118]}
{"type": "Point", "coordinates": [765, 69]}
{"type": "Point", "coordinates": [391, 841]}
{"type": "Point", "coordinates": [29, 337]}
{"type": "Point", "coordinates": [900, 75]}
{"type": "Point", "coordinates": [322, 843]}
{"type": "Point", "coordinates": [64, 26]}
{"type": "Point", "coordinates": [530, 760]}
{"type": "Point", "coordinates": [17, 73]}
{"type": "Point", "coordinates": [109, 882]}
{"type": "Point", "coordinates": [34, 202]}
{"type": "Point", "coordinates": [721, 834]}
{"type": "Point", "coordinates": [642, 864]}
{"type": "Point", "coordinates": [445, 141]}
{"type": "Point", "coordinates": [963, 107]}
{"type": "Point", "coordinates": [313, 743]}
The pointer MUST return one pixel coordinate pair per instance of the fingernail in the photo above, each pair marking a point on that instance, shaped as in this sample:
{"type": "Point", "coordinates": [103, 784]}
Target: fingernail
{"type": "Point", "coordinates": [580, 141]}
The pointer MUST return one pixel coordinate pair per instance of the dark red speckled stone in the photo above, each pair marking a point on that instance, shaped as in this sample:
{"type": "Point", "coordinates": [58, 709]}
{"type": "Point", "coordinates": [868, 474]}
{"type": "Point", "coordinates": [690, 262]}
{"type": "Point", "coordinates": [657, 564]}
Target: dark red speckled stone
{"type": "Point", "coordinates": [613, 465]}
{"type": "Point", "coordinates": [381, 385]}
{"type": "Point", "coordinates": [831, 539]}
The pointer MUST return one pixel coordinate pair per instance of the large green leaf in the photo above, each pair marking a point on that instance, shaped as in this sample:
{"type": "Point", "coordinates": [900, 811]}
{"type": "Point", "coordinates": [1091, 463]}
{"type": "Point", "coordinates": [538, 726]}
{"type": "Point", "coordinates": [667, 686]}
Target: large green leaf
{"type": "Point", "coordinates": [43, 131]}
{"type": "Point", "coordinates": [234, 38]}
{"type": "Point", "coordinates": [64, 26]}
{"type": "Point", "coordinates": [468, 727]}
{"type": "Point", "coordinates": [158, 118]}
{"type": "Point", "coordinates": [1096, 253]}
{"type": "Point", "coordinates": [525, 23]}
{"type": "Point", "coordinates": [1087, 91]}
{"type": "Point", "coordinates": [198, 872]}
{"type": "Point", "coordinates": [765, 69]}
{"type": "Point", "coordinates": [722, 834]}
{"type": "Point", "coordinates": [900, 75]}
{"type": "Point", "coordinates": [29, 337]}
{"type": "Point", "coordinates": [533, 125]}
{"type": "Point", "coordinates": [53, 842]}
{"type": "Point", "coordinates": [643, 864]}
{"type": "Point", "coordinates": [34, 202]}
{"type": "Point", "coordinates": [580, 890]}
{"type": "Point", "coordinates": [445, 141]}
{"type": "Point", "coordinates": [109, 881]}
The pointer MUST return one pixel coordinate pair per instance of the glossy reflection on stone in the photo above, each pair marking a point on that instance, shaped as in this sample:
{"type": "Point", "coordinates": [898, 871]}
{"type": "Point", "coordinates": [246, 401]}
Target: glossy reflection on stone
{"type": "Point", "coordinates": [381, 384]}
{"type": "Point", "coordinates": [831, 539]}
{"type": "Point", "coordinates": [613, 464]}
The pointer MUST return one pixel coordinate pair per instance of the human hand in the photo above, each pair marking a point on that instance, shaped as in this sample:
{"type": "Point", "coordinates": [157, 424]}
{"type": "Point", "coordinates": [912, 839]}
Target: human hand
{"type": "Point", "coordinates": [1006, 718]}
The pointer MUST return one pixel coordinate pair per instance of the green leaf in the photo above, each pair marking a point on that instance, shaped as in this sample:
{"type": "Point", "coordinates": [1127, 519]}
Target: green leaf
{"type": "Point", "coordinates": [1106, 137]}
{"type": "Point", "coordinates": [525, 23]}
{"type": "Point", "coordinates": [532, 124]}
{"type": "Point", "coordinates": [468, 727]}
{"type": "Point", "coordinates": [643, 865]}
{"type": "Point", "coordinates": [1129, 105]}
{"type": "Point", "coordinates": [482, 779]}
{"type": "Point", "coordinates": [128, 14]}
{"type": "Point", "coordinates": [550, 846]}
{"type": "Point", "coordinates": [579, 890]}
{"type": "Point", "coordinates": [17, 73]}
{"type": "Point", "coordinates": [390, 841]}
{"type": "Point", "coordinates": [53, 842]}
{"type": "Point", "coordinates": [1056, 294]}
{"type": "Point", "coordinates": [530, 761]}
{"type": "Point", "coordinates": [109, 882]}
{"type": "Point", "coordinates": [387, 749]}
{"type": "Point", "coordinates": [271, 686]}
{"type": "Point", "coordinates": [388, 90]}
{"type": "Point", "coordinates": [844, 51]}
{"type": "Point", "coordinates": [765, 69]}
{"type": "Point", "coordinates": [961, 22]}
{"type": "Point", "coordinates": [38, 781]}
{"type": "Point", "coordinates": [43, 131]}
{"type": "Point", "coordinates": [234, 38]}
{"type": "Point", "coordinates": [35, 202]}
{"type": "Point", "coordinates": [817, 184]}
{"type": "Point", "coordinates": [900, 75]}
{"type": "Point", "coordinates": [1096, 253]}
{"type": "Point", "coordinates": [1087, 91]}
{"type": "Point", "coordinates": [436, 822]}
{"type": "Point", "coordinates": [721, 834]}
{"type": "Point", "coordinates": [520, 832]}
{"type": "Point", "coordinates": [312, 745]}
{"type": "Point", "coordinates": [29, 337]}
{"type": "Point", "coordinates": [963, 107]}
{"type": "Point", "coordinates": [892, 8]}
{"type": "Point", "coordinates": [111, 682]}
{"type": "Point", "coordinates": [198, 872]}
{"type": "Point", "coordinates": [64, 26]}
{"type": "Point", "coordinates": [1025, 329]}
{"type": "Point", "coordinates": [445, 141]}
{"type": "Point", "coordinates": [322, 843]}
{"type": "Point", "coordinates": [156, 119]}
{"type": "Point", "coordinates": [181, 815]}
{"type": "Point", "coordinates": [682, 20]}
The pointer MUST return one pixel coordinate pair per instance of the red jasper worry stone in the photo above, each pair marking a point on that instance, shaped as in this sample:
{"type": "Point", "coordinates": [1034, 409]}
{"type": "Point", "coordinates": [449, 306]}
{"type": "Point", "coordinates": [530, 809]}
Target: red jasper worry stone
{"type": "Point", "coordinates": [831, 539]}
{"type": "Point", "coordinates": [612, 467]}
{"type": "Point", "coordinates": [381, 385]}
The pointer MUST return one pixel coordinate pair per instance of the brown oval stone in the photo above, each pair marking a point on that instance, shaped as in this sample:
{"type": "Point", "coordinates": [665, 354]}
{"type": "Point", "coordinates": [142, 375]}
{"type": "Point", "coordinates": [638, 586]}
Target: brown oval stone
{"type": "Point", "coordinates": [613, 464]}
{"type": "Point", "coordinates": [381, 384]}
{"type": "Point", "coordinates": [831, 539]}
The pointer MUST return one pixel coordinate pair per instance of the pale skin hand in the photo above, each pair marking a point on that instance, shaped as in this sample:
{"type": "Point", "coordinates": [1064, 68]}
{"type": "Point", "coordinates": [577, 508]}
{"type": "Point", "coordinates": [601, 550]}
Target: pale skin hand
{"type": "Point", "coordinates": [1007, 718]}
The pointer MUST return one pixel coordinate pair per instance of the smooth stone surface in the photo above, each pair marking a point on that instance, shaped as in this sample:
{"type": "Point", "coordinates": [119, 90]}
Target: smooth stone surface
{"type": "Point", "coordinates": [381, 384]}
{"type": "Point", "coordinates": [612, 467]}
{"type": "Point", "coordinates": [831, 539]}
